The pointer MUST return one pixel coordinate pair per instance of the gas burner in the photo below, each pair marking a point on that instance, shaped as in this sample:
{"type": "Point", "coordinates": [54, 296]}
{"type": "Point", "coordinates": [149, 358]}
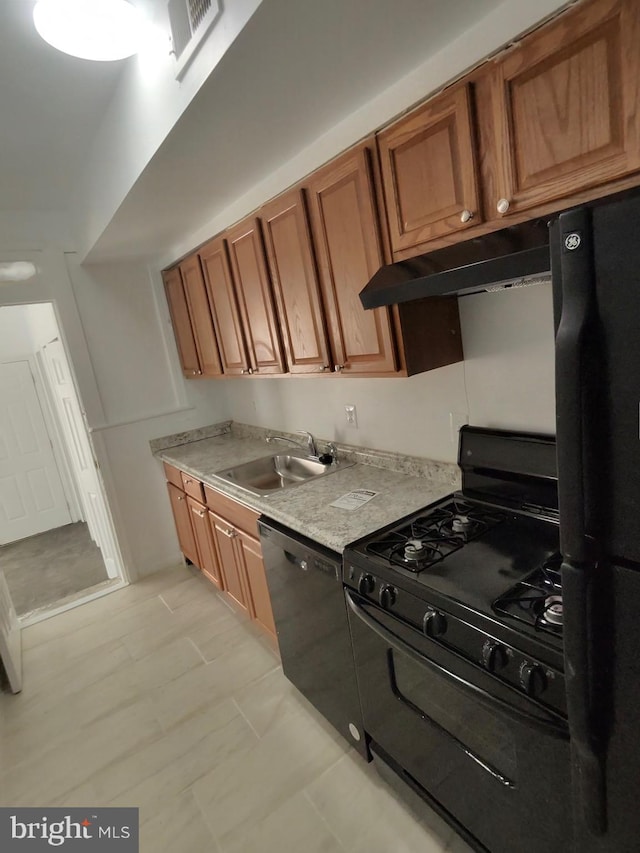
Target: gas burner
{"type": "Point", "coordinates": [537, 600]}
{"type": "Point", "coordinates": [415, 549]}
{"type": "Point", "coordinates": [433, 535]}
{"type": "Point", "coordinates": [461, 523]}
{"type": "Point", "coordinates": [552, 610]}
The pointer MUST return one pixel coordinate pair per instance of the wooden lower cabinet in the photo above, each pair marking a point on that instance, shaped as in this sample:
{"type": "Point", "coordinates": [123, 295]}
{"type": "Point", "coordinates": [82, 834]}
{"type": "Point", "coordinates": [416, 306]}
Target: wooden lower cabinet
{"type": "Point", "coordinates": [259, 600]}
{"type": "Point", "coordinates": [209, 562]}
{"type": "Point", "coordinates": [235, 584]}
{"type": "Point", "coordinates": [182, 519]}
{"type": "Point", "coordinates": [221, 539]}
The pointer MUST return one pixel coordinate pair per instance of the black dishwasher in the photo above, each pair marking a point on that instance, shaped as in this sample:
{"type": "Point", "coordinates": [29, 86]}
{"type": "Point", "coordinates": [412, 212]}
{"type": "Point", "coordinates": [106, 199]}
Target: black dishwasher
{"type": "Point", "coordinates": [309, 608]}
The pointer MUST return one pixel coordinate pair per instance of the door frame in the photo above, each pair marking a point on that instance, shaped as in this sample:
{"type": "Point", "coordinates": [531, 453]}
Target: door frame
{"type": "Point", "coordinates": [122, 575]}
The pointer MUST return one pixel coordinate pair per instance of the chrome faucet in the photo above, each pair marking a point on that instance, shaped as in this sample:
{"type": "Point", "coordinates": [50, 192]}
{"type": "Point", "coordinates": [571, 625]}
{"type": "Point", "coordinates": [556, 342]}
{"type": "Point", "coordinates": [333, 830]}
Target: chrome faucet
{"type": "Point", "coordinates": [311, 448]}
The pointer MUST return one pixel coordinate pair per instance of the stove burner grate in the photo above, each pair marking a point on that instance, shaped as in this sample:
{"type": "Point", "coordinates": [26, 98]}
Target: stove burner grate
{"type": "Point", "coordinates": [433, 535]}
{"type": "Point", "coordinates": [537, 600]}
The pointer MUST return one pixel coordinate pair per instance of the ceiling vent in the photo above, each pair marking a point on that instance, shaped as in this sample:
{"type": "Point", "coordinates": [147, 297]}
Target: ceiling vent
{"type": "Point", "coordinates": [191, 21]}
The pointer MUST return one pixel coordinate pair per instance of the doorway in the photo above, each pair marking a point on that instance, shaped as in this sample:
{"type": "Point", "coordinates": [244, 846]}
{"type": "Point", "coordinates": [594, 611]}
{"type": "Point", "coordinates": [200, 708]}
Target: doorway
{"type": "Point", "coordinates": [57, 544]}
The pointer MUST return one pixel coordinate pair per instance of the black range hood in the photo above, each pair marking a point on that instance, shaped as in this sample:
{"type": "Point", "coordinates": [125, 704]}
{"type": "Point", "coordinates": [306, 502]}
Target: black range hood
{"type": "Point", "coordinates": [511, 257]}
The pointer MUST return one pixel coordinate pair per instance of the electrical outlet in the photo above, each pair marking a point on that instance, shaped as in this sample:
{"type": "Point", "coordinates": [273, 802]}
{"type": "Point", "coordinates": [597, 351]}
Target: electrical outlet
{"type": "Point", "coordinates": [456, 420]}
{"type": "Point", "coordinates": [351, 415]}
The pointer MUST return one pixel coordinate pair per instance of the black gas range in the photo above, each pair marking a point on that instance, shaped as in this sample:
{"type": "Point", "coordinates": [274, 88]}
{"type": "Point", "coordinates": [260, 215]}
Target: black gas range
{"type": "Point", "coordinates": [456, 620]}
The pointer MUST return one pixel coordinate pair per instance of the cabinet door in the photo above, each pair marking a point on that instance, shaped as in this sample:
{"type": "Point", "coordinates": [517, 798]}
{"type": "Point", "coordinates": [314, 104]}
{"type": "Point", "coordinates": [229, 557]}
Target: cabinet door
{"type": "Point", "coordinates": [224, 307]}
{"type": "Point", "coordinates": [566, 102]}
{"type": "Point", "coordinates": [181, 321]}
{"type": "Point", "coordinates": [209, 562]}
{"type": "Point", "coordinates": [183, 524]}
{"type": "Point", "coordinates": [232, 568]}
{"type": "Point", "coordinates": [344, 220]}
{"type": "Point", "coordinates": [200, 314]}
{"type": "Point", "coordinates": [255, 299]}
{"type": "Point", "coordinates": [295, 283]}
{"type": "Point", "coordinates": [429, 171]}
{"type": "Point", "coordinates": [260, 601]}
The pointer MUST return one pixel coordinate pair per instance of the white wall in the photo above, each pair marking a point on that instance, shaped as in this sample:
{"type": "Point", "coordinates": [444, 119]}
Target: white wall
{"type": "Point", "coordinates": [128, 377]}
{"type": "Point", "coordinates": [143, 397]}
{"type": "Point", "coordinates": [147, 103]}
{"type": "Point", "coordinates": [506, 381]}
{"type": "Point", "coordinates": [15, 338]}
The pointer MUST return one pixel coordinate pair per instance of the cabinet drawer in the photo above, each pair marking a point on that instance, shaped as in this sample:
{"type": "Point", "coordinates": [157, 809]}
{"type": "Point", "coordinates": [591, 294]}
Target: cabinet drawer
{"type": "Point", "coordinates": [235, 513]}
{"type": "Point", "coordinates": [192, 487]}
{"type": "Point", "coordinates": [173, 475]}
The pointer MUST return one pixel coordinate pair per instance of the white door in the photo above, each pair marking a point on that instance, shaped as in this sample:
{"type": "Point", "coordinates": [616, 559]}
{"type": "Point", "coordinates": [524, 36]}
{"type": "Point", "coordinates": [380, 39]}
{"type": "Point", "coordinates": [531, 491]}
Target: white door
{"type": "Point", "coordinates": [32, 498]}
{"type": "Point", "coordinates": [83, 461]}
{"type": "Point", "coordinates": [10, 638]}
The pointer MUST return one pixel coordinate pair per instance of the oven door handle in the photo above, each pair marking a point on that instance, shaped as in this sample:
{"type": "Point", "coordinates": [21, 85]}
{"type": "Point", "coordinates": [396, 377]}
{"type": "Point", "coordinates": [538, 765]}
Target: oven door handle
{"type": "Point", "coordinates": [548, 727]}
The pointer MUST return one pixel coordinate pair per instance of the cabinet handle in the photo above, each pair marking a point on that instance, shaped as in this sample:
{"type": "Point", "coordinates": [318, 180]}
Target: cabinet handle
{"type": "Point", "coordinates": [201, 513]}
{"type": "Point", "coordinates": [338, 368]}
{"type": "Point", "coordinates": [324, 368]}
{"type": "Point", "coordinates": [466, 216]}
{"type": "Point", "coordinates": [503, 205]}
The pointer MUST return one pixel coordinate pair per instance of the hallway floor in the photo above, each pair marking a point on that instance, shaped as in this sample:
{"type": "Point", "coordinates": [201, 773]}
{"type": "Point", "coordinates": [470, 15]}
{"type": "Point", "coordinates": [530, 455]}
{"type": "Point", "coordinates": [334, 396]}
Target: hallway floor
{"type": "Point", "coordinates": [159, 696]}
{"type": "Point", "coordinates": [41, 570]}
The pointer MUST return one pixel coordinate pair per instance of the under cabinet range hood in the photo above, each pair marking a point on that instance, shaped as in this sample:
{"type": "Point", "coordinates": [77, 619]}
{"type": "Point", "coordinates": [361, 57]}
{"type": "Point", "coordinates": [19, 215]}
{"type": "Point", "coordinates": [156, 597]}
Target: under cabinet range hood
{"type": "Point", "coordinates": [515, 256]}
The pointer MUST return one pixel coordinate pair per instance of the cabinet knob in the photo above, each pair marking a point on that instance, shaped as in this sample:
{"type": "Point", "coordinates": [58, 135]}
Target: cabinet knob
{"type": "Point", "coordinates": [338, 368]}
{"type": "Point", "coordinates": [466, 216]}
{"type": "Point", "coordinates": [194, 372]}
{"type": "Point", "coordinates": [180, 498]}
{"type": "Point", "coordinates": [201, 513]}
{"type": "Point", "coordinates": [324, 368]}
{"type": "Point", "coordinates": [230, 532]}
{"type": "Point", "coordinates": [503, 205]}
{"type": "Point", "coordinates": [245, 370]}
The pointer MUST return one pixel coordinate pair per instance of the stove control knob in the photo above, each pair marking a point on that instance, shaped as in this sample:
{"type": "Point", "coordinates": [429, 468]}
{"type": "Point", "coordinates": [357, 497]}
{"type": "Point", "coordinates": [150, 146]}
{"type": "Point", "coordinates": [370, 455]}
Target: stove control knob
{"type": "Point", "coordinates": [532, 679]}
{"type": "Point", "coordinates": [366, 583]}
{"type": "Point", "coordinates": [388, 595]}
{"type": "Point", "coordinates": [494, 656]}
{"type": "Point", "coordinates": [434, 624]}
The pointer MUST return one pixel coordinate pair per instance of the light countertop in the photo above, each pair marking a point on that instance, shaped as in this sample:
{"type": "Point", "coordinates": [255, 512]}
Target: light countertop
{"type": "Point", "coordinates": [306, 508]}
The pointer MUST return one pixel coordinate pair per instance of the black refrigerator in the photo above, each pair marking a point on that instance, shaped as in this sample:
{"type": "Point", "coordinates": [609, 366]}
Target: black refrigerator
{"type": "Point", "coordinates": [595, 261]}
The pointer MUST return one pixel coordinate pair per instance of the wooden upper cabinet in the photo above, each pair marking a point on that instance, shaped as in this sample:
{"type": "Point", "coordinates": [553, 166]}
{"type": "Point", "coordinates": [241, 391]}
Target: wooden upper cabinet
{"type": "Point", "coordinates": [224, 307]}
{"type": "Point", "coordinates": [344, 220]}
{"type": "Point", "coordinates": [182, 329]}
{"type": "Point", "coordinates": [255, 299]}
{"type": "Point", "coordinates": [429, 171]}
{"type": "Point", "coordinates": [566, 106]}
{"type": "Point", "coordinates": [200, 314]}
{"type": "Point", "coordinates": [295, 283]}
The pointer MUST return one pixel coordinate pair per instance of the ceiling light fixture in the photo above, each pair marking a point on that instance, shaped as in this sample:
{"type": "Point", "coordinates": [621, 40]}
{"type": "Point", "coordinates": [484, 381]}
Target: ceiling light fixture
{"type": "Point", "coordinates": [102, 30]}
{"type": "Point", "coordinates": [17, 271]}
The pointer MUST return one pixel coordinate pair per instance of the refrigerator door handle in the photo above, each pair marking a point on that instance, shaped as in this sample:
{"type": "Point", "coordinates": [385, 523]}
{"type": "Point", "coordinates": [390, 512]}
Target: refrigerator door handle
{"type": "Point", "coordinates": [579, 570]}
{"type": "Point", "coordinates": [576, 270]}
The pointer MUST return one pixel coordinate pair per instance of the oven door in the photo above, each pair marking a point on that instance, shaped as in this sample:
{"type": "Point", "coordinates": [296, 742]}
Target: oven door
{"type": "Point", "coordinates": [491, 758]}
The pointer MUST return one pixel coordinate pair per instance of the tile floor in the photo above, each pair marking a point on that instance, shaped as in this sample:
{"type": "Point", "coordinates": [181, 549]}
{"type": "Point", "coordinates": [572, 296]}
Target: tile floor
{"type": "Point", "coordinates": [159, 696]}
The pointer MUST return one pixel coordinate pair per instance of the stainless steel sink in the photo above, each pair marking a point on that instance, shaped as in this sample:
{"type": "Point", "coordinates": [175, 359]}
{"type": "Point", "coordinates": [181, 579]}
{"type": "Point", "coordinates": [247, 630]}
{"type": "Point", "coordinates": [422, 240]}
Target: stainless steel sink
{"type": "Point", "coordinates": [277, 472]}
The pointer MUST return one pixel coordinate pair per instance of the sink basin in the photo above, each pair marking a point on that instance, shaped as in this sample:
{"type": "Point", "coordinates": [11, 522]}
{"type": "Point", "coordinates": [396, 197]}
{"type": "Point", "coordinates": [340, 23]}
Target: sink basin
{"type": "Point", "coordinates": [281, 471]}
